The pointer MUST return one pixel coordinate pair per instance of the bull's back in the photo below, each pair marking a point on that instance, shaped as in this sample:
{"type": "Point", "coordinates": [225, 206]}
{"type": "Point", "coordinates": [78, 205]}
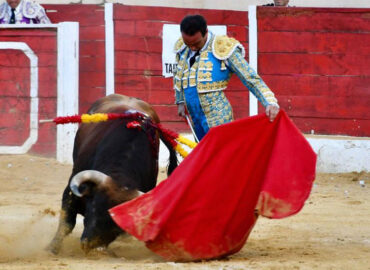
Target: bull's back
{"type": "Point", "coordinates": [117, 103]}
{"type": "Point", "coordinates": [88, 135]}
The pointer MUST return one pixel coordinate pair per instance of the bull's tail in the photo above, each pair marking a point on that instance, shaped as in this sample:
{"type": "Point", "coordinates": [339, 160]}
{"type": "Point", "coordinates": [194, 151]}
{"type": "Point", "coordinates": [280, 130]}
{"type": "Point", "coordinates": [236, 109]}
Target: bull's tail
{"type": "Point", "coordinates": [173, 162]}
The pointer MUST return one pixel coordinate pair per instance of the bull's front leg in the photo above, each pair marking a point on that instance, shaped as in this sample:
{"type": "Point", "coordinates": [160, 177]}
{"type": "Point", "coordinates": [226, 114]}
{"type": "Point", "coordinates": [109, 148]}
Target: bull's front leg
{"type": "Point", "coordinates": [67, 220]}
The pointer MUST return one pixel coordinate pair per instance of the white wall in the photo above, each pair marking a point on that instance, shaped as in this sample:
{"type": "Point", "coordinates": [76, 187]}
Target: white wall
{"type": "Point", "coordinates": [219, 4]}
{"type": "Point", "coordinates": [337, 154]}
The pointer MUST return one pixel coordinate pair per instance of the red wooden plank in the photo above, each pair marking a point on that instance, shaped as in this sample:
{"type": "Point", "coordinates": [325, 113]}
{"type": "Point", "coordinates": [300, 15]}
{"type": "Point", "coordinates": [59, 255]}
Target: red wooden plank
{"type": "Point", "coordinates": [239, 32]}
{"type": "Point", "coordinates": [175, 15]}
{"type": "Point", "coordinates": [92, 32]}
{"type": "Point", "coordinates": [18, 32]}
{"type": "Point", "coordinates": [124, 28]}
{"type": "Point", "coordinates": [160, 97]}
{"type": "Point", "coordinates": [16, 82]}
{"type": "Point", "coordinates": [47, 107]}
{"type": "Point", "coordinates": [329, 126]}
{"type": "Point", "coordinates": [326, 106]}
{"type": "Point", "coordinates": [139, 44]}
{"type": "Point", "coordinates": [320, 64]}
{"type": "Point", "coordinates": [82, 13]}
{"type": "Point", "coordinates": [90, 95]}
{"type": "Point", "coordinates": [18, 60]}
{"type": "Point", "coordinates": [313, 19]}
{"type": "Point", "coordinates": [14, 109]}
{"type": "Point", "coordinates": [125, 72]}
{"type": "Point", "coordinates": [238, 99]}
{"type": "Point", "coordinates": [14, 136]}
{"type": "Point", "coordinates": [143, 83]}
{"type": "Point", "coordinates": [36, 43]}
{"type": "Point", "coordinates": [301, 85]}
{"type": "Point", "coordinates": [8, 73]}
{"type": "Point", "coordinates": [14, 123]}
{"type": "Point", "coordinates": [92, 79]}
{"type": "Point", "coordinates": [235, 84]}
{"type": "Point", "coordinates": [15, 88]}
{"type": "Point", "coordinates": [143, 95]}
{"type": "Point", "coordinates": [177, 126]}
{"type": "Point", "coordinates": [132, 82]}
{"type": "Point", "coordinates": [14, 58]}
{"type": "Point", "coordinates": [149, 28]}
{"type": "Point", "coordinates": [315, 42]}
{"type": "Point", "coordinates": [138, 61]}
{"type": "Point", "coordinates": [47, 90]}
{"type": "Point", "coordinates": [15, 119]}
{"type": "Point", "coordinates": [47, 59]}
{"type": "Point", "coordinates": [90, 63]}
{"type": "Point", "coordinates": [47, 74]}
{"type": "Point", "coordinates": [167, 112]}
{"type": "Point", "coordinates": [88, 47]}
{"type": "Point", "coordinates": [151, 45]}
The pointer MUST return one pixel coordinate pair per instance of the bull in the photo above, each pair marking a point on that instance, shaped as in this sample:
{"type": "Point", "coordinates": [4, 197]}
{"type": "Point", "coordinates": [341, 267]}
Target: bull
{"type": "Point", "coordinates": [111, 164]}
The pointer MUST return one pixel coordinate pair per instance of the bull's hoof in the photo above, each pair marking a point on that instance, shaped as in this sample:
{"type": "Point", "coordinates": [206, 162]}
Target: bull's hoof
{"type": "Point", "coordinates": [91, 246]}
{"type": "Point", "coordinates": [85, 246]}
{"type": "Point", "coordinates": [53, 248]}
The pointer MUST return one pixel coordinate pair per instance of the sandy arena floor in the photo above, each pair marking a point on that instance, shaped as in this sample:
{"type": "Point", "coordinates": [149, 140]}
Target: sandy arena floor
{"type": "Point", "coordinates": [331, 232]}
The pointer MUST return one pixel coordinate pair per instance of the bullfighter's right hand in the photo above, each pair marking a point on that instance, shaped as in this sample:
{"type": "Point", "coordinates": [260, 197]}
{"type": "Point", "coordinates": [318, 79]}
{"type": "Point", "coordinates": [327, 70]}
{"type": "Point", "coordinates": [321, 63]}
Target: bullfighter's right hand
{"type": "Point", "coordinates": [181, 109]}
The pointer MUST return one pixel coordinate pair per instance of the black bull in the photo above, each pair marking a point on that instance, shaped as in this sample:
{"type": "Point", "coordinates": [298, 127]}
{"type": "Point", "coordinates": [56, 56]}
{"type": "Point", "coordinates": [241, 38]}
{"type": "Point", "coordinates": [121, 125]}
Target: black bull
{"type": "Point", "coordinates": [112, 163]}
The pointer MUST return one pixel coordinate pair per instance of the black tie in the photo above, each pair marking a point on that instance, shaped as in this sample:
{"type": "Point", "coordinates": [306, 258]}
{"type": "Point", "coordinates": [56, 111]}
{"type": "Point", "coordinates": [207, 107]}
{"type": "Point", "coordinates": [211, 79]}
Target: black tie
{"type": "Point", "coordinates": [192, 59]}
{"type": "Point", "coordinates": [12, 18]}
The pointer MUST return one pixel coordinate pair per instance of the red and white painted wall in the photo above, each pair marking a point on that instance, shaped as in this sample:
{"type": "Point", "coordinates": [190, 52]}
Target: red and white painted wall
{"type": "Point", "coordinates": [314, 59]}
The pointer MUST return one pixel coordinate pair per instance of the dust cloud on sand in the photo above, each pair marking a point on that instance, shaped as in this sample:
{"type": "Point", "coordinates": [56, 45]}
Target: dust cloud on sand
{"type": "Point", "coordinates": [331, 232]}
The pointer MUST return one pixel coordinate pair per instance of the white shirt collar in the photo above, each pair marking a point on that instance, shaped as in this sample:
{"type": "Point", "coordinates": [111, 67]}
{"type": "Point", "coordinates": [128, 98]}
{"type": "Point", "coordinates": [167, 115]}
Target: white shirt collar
{"type": "Point", "coordinates": [16, 9]}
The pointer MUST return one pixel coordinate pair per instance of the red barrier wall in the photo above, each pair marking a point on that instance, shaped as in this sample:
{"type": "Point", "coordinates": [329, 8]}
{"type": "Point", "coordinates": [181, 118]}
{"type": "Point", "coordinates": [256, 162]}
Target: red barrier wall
{"type": "Point", "coordinates": [15, 88]}
{"type": "Point", "coordinates": [317, 63]}
{"type": "Point", "coordinates": [315, 60]}
{"type": "Point", "coordinates": [92, 47]}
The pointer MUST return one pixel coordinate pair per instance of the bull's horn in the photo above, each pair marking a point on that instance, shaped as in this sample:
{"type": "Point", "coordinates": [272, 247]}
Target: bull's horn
{"type": "Point", "coordinates": [96, 177]}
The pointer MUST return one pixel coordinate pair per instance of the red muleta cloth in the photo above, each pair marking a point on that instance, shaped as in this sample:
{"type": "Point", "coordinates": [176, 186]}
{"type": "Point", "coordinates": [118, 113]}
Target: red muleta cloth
{"type": "Point", "coordinates": [206, 208]}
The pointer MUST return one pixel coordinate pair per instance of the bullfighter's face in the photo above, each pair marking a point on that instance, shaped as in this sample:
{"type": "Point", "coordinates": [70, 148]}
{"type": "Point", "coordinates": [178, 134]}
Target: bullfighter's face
{"type": "Point", "coordinates": [196, 41]}
{"type": "Point", "coordinates": [13, 3]}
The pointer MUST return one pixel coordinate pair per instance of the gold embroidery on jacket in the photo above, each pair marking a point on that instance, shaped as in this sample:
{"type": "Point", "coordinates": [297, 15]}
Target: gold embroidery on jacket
{"type": "Point", "coordinates": [205, 65]}
{"type": "Point", "coordinates": [211, 86]}
{"type": "Point", "coordinates": [204, 76]}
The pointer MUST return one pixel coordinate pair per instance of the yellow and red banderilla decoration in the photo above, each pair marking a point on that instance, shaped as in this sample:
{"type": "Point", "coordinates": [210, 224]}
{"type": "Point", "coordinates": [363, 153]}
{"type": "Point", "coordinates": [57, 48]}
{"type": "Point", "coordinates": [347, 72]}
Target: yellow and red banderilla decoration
{"type": "Point", "coordinates": [174, 138]}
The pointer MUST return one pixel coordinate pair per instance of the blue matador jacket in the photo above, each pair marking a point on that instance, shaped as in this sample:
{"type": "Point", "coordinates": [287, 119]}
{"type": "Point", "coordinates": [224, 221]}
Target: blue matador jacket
{"type": "Point", "coordinates": [204, 82]}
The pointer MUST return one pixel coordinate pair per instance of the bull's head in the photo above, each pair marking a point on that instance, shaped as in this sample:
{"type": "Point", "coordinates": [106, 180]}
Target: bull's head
{"type": "Point", "coordinates": [100, 193]}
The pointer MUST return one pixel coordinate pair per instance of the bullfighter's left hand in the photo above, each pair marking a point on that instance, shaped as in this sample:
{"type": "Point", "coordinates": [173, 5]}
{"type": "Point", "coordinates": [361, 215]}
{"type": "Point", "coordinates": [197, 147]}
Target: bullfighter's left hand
{"type": "Point", "coordinates": [272, 111]}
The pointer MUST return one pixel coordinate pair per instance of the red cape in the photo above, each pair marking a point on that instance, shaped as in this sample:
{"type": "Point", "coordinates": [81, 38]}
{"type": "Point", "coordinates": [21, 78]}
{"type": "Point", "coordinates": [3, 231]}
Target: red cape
{"type": "Point", "coordinates": [206, 208]}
